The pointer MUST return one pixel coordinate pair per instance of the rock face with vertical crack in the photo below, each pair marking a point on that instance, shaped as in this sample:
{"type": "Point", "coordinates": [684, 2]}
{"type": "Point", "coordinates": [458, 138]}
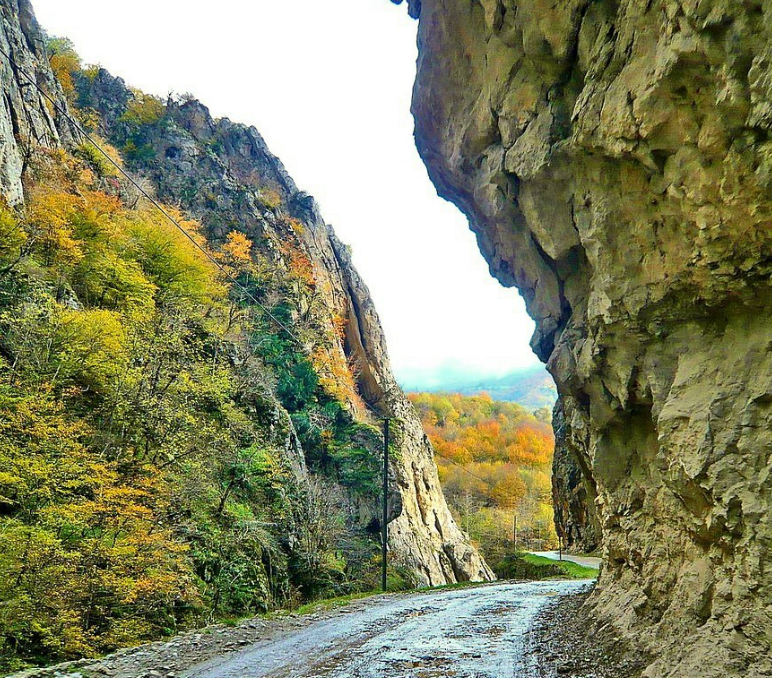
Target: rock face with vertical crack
{"type": "Point", "coordinates": [25, 115]}
{"type": "Point", "coordinates": [573, 494]}
{"type": "Point", "coordinates": [615, 162]}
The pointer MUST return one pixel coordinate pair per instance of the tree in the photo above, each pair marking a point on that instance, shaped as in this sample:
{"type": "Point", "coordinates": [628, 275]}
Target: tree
{"type": "Point", "coordinates": [494, 460]}
{"type": "Point", "coordinates": [238, 251]}
{"type": "Point", "coordinates": [65, 62]}
{"type": "Point", "coordinates": [13, 240]}
{"type": "Point", "coordinates": [79, 535]}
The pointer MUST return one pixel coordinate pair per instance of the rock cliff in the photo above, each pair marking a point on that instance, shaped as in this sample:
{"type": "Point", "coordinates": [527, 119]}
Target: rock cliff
{"type": "Point", "coordinates": [614, 160]}
{"type": "Point", "coordinates": [25, 115]}
{"type": "Point", "coordinates": [573, 494]}
{"type": "Point", "coordinates": [224, 175]}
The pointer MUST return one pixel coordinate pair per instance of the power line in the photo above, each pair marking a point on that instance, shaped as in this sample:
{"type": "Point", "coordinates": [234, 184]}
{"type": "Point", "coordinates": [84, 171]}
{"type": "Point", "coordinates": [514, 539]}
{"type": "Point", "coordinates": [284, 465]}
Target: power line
{"type": "Point", "coordinates": [153, 201]}
{"type": "Point", "coordinates": [464, 468]}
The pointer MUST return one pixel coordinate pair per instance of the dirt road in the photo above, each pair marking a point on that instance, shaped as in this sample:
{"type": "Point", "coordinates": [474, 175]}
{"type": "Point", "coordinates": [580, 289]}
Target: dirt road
{"type": "Point", "coordinates": [584, 561]}
{"type": "Point", "coordinates": [475, 632]}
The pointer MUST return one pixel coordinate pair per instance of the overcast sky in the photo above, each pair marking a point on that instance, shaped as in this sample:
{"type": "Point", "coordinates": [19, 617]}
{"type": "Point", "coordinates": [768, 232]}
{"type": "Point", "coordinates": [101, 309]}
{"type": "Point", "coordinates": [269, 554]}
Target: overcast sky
{"type": "Point", "coordinates": [328, 85]}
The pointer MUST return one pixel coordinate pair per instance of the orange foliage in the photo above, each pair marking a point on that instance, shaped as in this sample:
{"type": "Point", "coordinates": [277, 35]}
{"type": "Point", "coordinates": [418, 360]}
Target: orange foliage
{"type": "Point", "coordinates": [336, 376]}
{"type": "Point", "coordinates": [301, 268]}
{"type": "Point", "coordinates": [505, 451]}
{"type": "Point", "coordinates": [339, 326]}
{"type": "Point", "coordinates": [237, 250]}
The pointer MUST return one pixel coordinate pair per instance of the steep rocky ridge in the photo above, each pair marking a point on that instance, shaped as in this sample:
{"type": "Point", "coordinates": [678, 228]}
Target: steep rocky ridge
{"type": "Point", "coordinates": [225, 175]}
{"type": "Point", "coordinates": [614, 160]}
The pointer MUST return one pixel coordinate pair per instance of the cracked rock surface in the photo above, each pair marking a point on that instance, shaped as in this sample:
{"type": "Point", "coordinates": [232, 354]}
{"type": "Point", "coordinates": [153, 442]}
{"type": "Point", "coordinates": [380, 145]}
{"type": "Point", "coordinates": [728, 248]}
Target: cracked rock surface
{"type": "Point", "coordinates": [614, 158]}
{"type": "Point", "coordinates": [25, 114]}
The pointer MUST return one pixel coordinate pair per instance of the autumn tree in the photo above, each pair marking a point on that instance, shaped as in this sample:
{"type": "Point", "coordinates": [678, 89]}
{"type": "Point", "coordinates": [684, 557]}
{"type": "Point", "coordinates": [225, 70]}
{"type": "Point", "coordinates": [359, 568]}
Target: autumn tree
{"type": "Point", "coordinates": [495, 463]}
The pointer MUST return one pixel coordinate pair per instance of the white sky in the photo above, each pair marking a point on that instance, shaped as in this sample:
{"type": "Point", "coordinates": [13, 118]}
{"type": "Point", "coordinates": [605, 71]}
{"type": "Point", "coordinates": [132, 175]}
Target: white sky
{"type": "Point", "coordinates": [328, 85]}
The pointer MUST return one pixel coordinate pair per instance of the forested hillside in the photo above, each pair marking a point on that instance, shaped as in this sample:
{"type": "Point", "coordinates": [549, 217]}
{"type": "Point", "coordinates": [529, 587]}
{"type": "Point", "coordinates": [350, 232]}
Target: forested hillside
{"type": "Point", "coordinates": [190, 414]}
{"type": "Point", "coordinates": [147, 477]}
{"type": "Point", "coordinates": [495, 461]}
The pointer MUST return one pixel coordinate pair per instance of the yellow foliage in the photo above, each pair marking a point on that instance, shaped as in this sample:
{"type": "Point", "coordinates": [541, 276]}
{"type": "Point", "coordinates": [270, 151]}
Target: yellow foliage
{"type": "Point", "coordinates": [168, 257]}
{"type": "Point", "coordinates": [64, 65]}
{"type": "Point", "coordinates": [109, 280]}
{"type": "Point", "coordinates": [296, 225]}
{"type": "Point", "coordinates": [51, 217]}
{"type": "Point", "coordinates": [143, 109]}
{"type": "Point", "coordinates": [96, 158]}
{"type": "Point", "coordinates": [60, 224]}
{"type": "Point", "coordinates": [123, 316]}
{"type": "Point", "coordinates": [121, 257]}
{"type": "Point", "coordinates": [91, 71]}
{"type": "Point", "coordinates": [92, 346]}
{"type": "Point", "coordinates": [12, 235]}
{"type": "Point", "coordinates": [238, 250]}
{"type": "Point", "coordinates": [77, 538]}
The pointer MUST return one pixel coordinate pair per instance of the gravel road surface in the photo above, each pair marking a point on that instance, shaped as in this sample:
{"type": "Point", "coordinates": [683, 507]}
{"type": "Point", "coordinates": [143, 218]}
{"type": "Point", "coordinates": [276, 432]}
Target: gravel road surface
{"type": "Point", "coordinates": [478, 632]}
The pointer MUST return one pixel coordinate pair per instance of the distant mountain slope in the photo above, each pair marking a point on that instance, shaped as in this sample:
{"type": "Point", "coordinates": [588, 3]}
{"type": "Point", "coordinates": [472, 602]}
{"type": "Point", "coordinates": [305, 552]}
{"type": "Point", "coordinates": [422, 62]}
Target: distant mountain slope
{"type": "Point", "coordinates": [532, 387]}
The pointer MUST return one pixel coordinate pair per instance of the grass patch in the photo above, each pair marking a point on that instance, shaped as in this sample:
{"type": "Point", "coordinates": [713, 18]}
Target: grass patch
{"type": "Point", "coordinates": [529, 566]}
{"type": "Point", "coordinates": [332, 603]}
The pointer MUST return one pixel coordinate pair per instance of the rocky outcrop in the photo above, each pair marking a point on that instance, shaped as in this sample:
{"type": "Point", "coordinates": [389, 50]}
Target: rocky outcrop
{"type": "Point", "coordinates": [614, 160]}
{"type": "Point", "coordinates": [26, 117]}
{"type": "Point", "coordinates": [225, 176]}
{"type": "Point", "coordinates": [424, 534]}
{"type": "Point", "coordinates": [413, 7]}
{"type": "Point", "coordinates": [573, 494]}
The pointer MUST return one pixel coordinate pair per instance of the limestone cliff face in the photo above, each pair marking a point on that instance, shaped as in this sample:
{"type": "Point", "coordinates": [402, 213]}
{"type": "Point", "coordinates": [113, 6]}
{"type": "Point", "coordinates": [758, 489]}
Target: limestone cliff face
{"type": "Point", "coordinates": [424, 533]}
{"type": "Point", "coordinates": [573, 493]}
{"type": "Point", "coordinates": [614, 159]}
{"type": "Point", "coordinates": [224, 174]}
{"type": "Point", "coordinates": [25, 115]}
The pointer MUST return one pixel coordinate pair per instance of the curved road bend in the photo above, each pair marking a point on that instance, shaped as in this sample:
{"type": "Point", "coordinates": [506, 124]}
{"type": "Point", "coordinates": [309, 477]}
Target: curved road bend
{"type": "Point", "coordinates": [478, 632]}
{"type": "Point", "coordinates": [584, 561]}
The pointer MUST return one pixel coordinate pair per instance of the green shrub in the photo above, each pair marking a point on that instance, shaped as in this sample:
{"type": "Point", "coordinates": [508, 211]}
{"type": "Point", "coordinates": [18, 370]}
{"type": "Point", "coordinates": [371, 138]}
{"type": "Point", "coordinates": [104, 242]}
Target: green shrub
{"type": "Point", "coordinates": [94, 157]}
{"type": "Point", "coordinates": [143, 110]}
{"type": "Point", "coordinates": [532, 567]}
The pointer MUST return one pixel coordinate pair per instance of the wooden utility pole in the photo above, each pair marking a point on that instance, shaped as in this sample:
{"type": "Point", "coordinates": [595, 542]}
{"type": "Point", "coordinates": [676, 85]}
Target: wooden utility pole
{"type": "Point", "coordinates": [514, 532]}
{"type": "Point", "coordinates": [385, 515]}
{"type": "Point", "coordinates": [559, 527]}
